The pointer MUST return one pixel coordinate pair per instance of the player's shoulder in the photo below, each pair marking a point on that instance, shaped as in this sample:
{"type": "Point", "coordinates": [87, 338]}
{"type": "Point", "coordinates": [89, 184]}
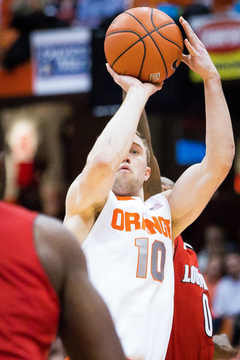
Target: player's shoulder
{"type": "Point", "coordinates": [180, 242]}
{"type": "Point", "coordinates": [167, 193]}
{"type": "Point", "coordinates": [187, 246]}
{"type": "Point", "coordinates": [57, 249]}
{"type": "Point", "coordinates": [16, 210]}
{"type": "Point", "coordinates": [52, 232]}
{"type": "Point", "coordinates": [157, 199]}
{"type": "Point", "coordinates": [181, 246]}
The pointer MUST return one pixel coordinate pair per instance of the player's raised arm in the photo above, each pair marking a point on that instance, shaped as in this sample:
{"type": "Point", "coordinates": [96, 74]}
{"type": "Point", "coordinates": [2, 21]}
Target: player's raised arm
{"type": "Point", "coordinates": [153, 185]}
{"type": "Point", "coordinates": [195, 187]}
{"type": "Point", "coordinates": [89, 192]}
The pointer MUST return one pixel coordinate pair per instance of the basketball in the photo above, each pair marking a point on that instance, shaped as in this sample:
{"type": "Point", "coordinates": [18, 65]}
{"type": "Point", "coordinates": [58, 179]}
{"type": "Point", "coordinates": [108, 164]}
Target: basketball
{"type": "Point", "coordinates": [145, 43]}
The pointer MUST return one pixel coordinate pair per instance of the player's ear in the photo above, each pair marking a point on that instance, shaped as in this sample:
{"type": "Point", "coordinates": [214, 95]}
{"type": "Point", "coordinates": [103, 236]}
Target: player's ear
{"type": "Point", "coordinates": [147, 173]}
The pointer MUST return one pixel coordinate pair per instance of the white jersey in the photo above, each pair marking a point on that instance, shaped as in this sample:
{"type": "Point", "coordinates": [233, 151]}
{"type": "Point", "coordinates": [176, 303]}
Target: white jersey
{"type": "Point", "coordinates": [130, 262]}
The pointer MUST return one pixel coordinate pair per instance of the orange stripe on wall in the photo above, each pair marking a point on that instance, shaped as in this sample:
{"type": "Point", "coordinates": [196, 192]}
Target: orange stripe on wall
{"type": "Point", "coordinates": [17, 82]}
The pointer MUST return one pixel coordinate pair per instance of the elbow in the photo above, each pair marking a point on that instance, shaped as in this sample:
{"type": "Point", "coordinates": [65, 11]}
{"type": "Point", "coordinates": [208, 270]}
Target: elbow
{"type": "Point", "coordinates": [103, 164]}
{"type": "Point", "coordinates": [225, 170]}
{"type": "Point", "coordinates": [221, 163]}
{"type": "Point", "coordinates": [226, 161]}
{"type": "Point", "coordinates": [230, 157]}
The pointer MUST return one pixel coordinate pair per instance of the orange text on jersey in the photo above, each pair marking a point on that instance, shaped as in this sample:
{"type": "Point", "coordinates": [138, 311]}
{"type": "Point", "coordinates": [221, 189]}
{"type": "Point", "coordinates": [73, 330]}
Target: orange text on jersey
{"type": "Point", "coordinates": [123, 220]}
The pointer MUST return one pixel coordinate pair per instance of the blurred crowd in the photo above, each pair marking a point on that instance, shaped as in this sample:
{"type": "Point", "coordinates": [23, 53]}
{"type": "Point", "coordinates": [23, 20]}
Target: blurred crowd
{"type": "Point", "coordinates": [18, 18]}
{"type": "Point", "coordinates": [219, 262]}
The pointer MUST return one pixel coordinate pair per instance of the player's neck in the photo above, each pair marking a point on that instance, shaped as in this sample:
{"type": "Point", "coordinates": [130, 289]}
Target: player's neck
{"type": "Point", "coordinates": [122, 193]}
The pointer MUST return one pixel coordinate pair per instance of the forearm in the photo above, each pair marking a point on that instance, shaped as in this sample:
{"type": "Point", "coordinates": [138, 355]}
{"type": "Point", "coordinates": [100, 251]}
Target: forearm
{"type": "Point", "coordinates": [116, 139]}
{"type": "Point", "coordinates": [153, 185]}
{"type": "Point", "coordinates": [219, 134]}
{"type": "Point", "coordinates": [143, 126]}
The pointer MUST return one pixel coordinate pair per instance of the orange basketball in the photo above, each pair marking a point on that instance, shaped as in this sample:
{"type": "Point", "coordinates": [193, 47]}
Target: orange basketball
{"type": "Point", "coordinates": [145, 43]}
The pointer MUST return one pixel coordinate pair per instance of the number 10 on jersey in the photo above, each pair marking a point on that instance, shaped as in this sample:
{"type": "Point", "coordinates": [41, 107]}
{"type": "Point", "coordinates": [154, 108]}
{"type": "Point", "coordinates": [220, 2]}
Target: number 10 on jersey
{"type": "Point", "coordinates": [157, 256]}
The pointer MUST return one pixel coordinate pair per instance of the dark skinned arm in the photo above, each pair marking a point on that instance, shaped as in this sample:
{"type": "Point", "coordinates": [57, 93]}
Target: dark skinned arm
{"type": "Point", "coordinates": [86, 328]}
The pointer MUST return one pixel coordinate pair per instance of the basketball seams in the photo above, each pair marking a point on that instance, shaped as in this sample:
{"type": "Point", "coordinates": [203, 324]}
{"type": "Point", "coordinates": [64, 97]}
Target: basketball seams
{"type": "Point", "coordinates": [136, 42]}
{"type": "Point", "coordinates": [144, 55]}
{"type": "Point", "coordinates": [141, 38]}
{"type": "Point", "coordinates": [124, 31]}
{"type": "Point", "coordinates": [134, 27]}
{"type": "Point", "coordinates": [134, 17]}
{"type": "Point", "coordinates": [148, 33]}
{"type": "Point", "coordinates": [164, 63]}
{"type": "Point", "coordinates": [171, 41]}
{"type": "Point", "coordinates": [164, 37]}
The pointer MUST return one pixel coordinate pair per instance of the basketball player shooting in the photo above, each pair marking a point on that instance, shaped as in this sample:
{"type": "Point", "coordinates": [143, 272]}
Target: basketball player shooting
{"type": "Point", "coordinates": [128, 243]}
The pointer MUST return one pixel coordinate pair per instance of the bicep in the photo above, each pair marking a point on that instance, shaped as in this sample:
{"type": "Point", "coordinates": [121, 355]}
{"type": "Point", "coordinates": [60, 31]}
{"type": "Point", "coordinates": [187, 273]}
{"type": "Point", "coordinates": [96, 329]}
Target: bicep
{"type": "Point", "coordinates": [190, 195]}
{"type": "Point", "coordinates": [89, 191]}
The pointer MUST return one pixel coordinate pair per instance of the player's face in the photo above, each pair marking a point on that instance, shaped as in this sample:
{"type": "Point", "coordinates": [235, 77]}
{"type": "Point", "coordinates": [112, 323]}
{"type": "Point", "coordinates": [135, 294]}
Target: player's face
{"type": "Point", "coordinates": [133, 171]}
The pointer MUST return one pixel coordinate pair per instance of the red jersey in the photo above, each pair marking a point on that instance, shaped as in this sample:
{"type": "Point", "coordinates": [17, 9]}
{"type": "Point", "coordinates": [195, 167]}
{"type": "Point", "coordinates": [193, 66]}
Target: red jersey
{"type": "Point", "coordinates": [29, 306]}
{"type": "Point", "coordinates": [191, 336]}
